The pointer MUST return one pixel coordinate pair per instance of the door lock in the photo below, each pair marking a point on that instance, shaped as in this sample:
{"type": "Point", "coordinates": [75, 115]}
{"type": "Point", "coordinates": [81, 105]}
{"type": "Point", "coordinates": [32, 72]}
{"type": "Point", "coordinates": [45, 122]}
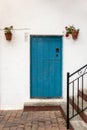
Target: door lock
{"type": "Point", "coordinates": [57, 49]}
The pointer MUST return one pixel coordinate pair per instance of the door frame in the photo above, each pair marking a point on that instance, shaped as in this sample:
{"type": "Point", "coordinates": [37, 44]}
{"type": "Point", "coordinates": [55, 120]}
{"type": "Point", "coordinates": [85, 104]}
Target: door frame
{"type": "Point", "coordinates": [43, 35]}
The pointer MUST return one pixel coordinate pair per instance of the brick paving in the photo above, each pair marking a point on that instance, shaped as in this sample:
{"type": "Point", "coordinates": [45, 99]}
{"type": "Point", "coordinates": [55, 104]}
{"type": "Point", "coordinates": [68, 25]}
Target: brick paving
{"type": "Point", "coordinates": [32, 120]}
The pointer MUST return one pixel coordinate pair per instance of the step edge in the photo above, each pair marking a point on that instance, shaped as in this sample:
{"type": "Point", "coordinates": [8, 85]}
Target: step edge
{"type": "Point", "coordinates": [82, 114]}
{"type": "Point", "coordinates": [84, 95]}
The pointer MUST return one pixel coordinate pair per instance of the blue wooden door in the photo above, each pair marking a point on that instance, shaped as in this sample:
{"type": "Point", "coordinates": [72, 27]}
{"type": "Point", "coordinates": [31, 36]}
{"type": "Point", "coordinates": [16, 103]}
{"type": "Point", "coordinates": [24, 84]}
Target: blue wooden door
{"type": "Point", "coordinates": [46, 66]}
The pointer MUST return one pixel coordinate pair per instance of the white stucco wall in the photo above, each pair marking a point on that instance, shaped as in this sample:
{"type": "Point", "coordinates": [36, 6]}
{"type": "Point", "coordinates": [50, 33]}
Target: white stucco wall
{"type": "Point", "coordinates": [42, 17]}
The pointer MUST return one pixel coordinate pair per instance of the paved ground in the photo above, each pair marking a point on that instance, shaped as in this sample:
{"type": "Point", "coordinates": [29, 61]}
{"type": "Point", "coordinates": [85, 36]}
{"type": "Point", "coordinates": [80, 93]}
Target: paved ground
{"type": "Point", "coordinates": [32, 120]}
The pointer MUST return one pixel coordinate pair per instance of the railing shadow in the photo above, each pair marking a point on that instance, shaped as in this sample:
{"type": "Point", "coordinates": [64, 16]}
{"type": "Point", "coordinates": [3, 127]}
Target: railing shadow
{"type": "Point", "coordinates": [75, 82]}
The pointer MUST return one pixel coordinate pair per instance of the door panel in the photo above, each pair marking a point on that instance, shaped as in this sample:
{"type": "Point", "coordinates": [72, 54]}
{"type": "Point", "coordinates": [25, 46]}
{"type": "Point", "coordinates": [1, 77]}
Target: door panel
{"type": "Point", "coordinates": [46, 66]}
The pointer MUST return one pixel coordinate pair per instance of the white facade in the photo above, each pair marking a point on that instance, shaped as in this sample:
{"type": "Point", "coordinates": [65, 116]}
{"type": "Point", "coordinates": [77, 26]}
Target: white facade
{"type": "Point", "coordinates": [44, 17]}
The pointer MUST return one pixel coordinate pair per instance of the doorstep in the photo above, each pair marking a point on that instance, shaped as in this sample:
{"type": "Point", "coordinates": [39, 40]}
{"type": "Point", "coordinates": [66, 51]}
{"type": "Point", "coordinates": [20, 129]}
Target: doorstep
{"type": "Point", "coordinates": [43, 104]}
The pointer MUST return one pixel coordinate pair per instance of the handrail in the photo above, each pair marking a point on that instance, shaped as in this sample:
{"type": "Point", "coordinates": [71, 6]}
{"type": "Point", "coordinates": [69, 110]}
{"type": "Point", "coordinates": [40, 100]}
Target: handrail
{"type": "Point", "coordinates": [77, 78]}
{"type": "Point", "coordinates": [78, 70]}
{"type": "Point", "coordinates": [81, 77]}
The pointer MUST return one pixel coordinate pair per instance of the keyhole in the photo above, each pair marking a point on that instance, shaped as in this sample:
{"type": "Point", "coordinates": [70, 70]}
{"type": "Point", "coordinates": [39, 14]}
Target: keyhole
{"type": "Point", "coordinates": [57, 49]}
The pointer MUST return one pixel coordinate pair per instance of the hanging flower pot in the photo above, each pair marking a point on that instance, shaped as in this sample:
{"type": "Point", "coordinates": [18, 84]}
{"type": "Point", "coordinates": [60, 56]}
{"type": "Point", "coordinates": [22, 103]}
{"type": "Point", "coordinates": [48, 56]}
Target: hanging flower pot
{"type": "Point", "coordinates": [8, 33]}
{"type": "Point", "coordinates": [71, 30]}
{"type": "Point", "coordinates": [8, 36]}
{"type": "Point", "coordinates": [75, 34]}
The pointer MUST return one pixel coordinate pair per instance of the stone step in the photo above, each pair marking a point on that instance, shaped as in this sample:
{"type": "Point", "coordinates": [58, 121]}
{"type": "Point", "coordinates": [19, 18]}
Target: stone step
{"type": "Point", "coordinates": [74, 122]}
{"type": "Point", "coordinates": [80, 102]}
{"type": "Point", "coordinates": [84, 94]}
{"type": "Point", "coordinates": [79, 125]}
{"type": "Point", "coordinates": [85, 91]}
{"type": "Point", "coordinates": [44, 104]}
{"type": "Point", "coordinates": [79, 108]}
{"type": "Point", "coordinates": [64, 108]}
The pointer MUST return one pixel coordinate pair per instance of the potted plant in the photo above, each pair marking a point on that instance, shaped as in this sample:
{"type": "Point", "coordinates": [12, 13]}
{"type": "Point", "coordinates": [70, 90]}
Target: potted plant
{"type": "Point", "coordinates": [8, 32]}
{"type": "Point", "coordinates": [71, 30]}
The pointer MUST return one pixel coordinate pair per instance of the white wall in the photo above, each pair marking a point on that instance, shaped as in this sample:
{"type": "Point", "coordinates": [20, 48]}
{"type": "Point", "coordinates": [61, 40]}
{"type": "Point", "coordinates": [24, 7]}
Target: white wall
{"type": "Point", "coordinates": [42, 17]}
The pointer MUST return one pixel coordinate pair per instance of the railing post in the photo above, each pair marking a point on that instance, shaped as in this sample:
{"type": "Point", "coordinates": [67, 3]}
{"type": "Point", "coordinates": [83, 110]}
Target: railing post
{"type": "Point", "coordinates": [68, 100]}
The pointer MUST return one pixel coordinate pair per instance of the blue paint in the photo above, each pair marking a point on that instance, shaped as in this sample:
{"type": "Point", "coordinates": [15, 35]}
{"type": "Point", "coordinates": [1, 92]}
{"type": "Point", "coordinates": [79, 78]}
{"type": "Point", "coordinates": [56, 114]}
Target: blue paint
{"type": "Point", "coordinates": [46, 66]}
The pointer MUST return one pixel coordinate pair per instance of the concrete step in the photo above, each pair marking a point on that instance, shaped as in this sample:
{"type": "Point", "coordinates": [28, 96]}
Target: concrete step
{"type": "Point", "coordinates": [79, 125]}
{"type": "Point", "coordinates": [36, 104]}
{"type": "Point", "coordinates": [85, 91]}
{"type": "Point", "coordinates": [64, 107]}
{"type": "Point", "coordinates": [84, 94]}
{"type": "Point", "coordinates": [80, 102]}
{"type": "Point", "coordinates": [79, 108]}
{"type": "Point", "coordinates": [74, 122]}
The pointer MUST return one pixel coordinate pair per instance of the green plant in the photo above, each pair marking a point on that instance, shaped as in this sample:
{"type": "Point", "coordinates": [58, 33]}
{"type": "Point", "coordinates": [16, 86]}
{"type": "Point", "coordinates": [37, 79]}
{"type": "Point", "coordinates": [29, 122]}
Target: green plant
{"type": "Point", "coordinates": [8, 33]}
{"type": "Point", "coordinates": [8, 29]}
{"type": "Point", "coordinates": [69, 30]}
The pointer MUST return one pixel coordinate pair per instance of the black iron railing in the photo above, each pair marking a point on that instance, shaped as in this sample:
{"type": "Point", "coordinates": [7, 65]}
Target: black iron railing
{"type": "Point", "coordinates": [75, 82]}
